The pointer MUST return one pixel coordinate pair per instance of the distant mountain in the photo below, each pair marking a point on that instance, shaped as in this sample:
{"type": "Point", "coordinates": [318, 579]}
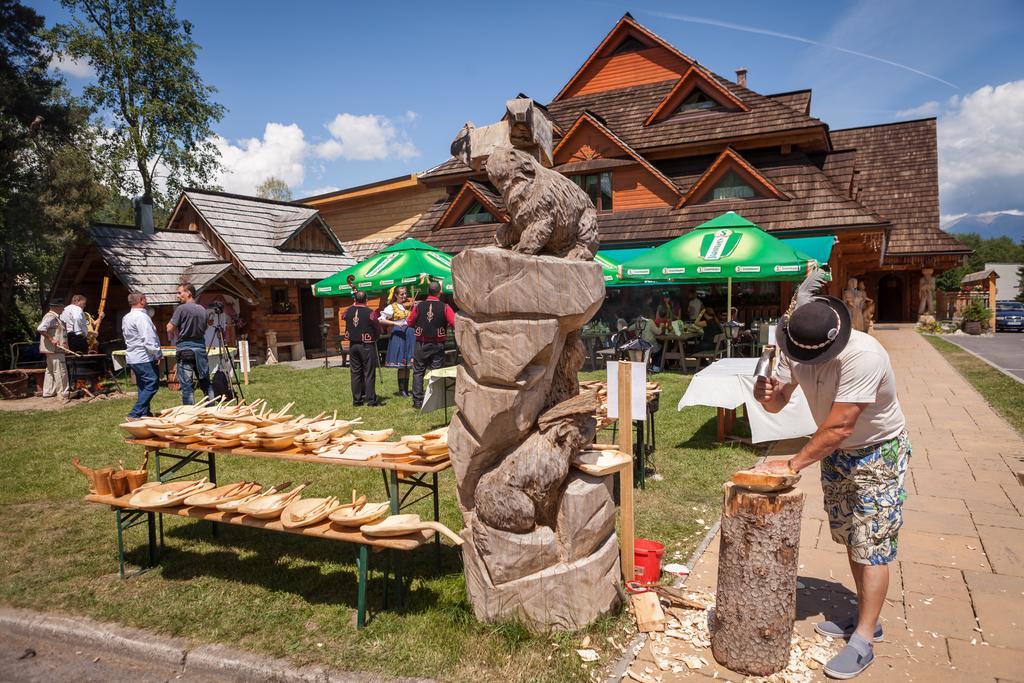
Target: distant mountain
{"type": "Point", "coordinates": [989, 225]}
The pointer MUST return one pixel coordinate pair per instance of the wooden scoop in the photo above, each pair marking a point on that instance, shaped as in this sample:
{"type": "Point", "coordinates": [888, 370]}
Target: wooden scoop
{"type": "Point", "coordinates": [764, 482]}
{"type": "Point", "coordinates": [400, 525]}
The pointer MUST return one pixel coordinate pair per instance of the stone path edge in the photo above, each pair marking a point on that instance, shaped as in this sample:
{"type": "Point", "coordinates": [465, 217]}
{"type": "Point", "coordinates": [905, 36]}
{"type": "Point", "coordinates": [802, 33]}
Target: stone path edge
{"type": "Point", "coordinates": [187, 656]}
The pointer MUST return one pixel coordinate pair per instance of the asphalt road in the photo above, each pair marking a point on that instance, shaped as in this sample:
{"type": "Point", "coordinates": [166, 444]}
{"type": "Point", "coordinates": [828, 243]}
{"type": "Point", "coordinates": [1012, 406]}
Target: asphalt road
{"type": "Point", "coordinates": [1005, 349]}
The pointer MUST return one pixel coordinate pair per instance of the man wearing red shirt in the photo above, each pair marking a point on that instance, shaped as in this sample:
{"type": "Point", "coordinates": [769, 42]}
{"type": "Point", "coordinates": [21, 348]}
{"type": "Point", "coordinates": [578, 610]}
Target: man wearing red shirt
{"type": "Point", "coordinates": [431, 319]}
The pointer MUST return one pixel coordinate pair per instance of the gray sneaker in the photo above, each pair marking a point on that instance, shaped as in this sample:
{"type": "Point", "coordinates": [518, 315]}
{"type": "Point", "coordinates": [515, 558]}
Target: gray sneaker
{"type": "Point", "coordinates": [844, 628]}
{"type": "Point", "coordinates": [851, 660]}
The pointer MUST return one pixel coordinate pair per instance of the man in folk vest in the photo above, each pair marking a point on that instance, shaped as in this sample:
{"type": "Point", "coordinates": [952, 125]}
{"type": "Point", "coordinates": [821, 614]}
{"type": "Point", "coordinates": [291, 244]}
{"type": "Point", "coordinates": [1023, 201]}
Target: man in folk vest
{"type": "Point", "coordinates": [431, 319]}
{"type": "Point", "coordinates": [362, 330]}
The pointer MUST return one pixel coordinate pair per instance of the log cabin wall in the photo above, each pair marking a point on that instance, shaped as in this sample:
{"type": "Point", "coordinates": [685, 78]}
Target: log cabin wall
{"type": "Point", "coordinates": [263, 317]}
{"type": "Point", "coordinates": [311, 238]}
{"type": "Point", "coordinates": [385, 216]}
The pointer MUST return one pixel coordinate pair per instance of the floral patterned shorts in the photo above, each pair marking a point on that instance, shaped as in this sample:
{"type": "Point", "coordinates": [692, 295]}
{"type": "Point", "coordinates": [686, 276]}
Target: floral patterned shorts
{"type": "Point", "coordinates": [864, 497]}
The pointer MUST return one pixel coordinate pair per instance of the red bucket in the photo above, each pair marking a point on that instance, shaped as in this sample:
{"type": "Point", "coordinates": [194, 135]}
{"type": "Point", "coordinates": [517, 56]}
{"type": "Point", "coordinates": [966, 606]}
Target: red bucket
{"type": "Point", "coordinates": [647, 560]}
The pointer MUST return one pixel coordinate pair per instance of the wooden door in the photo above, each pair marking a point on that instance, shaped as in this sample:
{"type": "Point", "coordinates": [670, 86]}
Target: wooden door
{"type": "Point", "coordinates": [890, 299]}
{"type": "Point", "coordinates": [311, 313]}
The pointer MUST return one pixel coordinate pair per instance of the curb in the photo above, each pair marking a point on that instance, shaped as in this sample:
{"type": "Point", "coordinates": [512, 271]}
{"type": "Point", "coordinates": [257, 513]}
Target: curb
{"type": "Point", "coordinates": [950, 338]}
{"type": "Point", "coordinates": [188, 657]}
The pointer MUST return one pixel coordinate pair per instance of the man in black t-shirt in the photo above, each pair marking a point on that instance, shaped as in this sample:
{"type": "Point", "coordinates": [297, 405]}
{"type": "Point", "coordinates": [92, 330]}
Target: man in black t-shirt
{"type": "Point", "coordinates": [189, 321]}
{"type": "Point", "coordinates": [362, 330]}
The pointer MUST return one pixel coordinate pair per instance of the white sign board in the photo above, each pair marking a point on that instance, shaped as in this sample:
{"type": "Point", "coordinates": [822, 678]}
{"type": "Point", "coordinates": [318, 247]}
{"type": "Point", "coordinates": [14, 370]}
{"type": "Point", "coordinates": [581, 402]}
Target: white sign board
{"type": "Point", "coordinates": [771, 334]}
{"type": "Point", "coordinates": [243, 355]}
{"type": "Point", "coordinates": [328, 312]}
{"type": "Point", "coordinates": [638, 390]}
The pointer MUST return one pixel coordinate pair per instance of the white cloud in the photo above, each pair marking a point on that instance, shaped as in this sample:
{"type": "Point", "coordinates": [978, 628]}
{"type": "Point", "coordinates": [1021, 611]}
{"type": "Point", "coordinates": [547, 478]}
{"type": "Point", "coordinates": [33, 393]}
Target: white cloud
{"type": "Point", "coordinates": [981, 150]}
{"type": "Point", "coordinates": [79, 68]}
{"type": "Point", "coordinates": [284, 151]}
{"type": "Point", "coordinates": [930, 108]}
{"type": "Point", "coordinates": [366, 137]}
{"type": "Point", "coordinates": [281, 153]}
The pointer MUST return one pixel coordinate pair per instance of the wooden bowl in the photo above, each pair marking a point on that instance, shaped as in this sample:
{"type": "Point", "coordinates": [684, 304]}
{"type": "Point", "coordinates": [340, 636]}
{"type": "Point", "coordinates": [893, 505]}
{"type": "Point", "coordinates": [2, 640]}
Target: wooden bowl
{"type": "Point", "coordinates": [412, 439]}
{"type": "Point", "coordinates": [436, 433]}
{"type": "Point", "coordinates": [308, 511]}
{"type": "Point", "coordinates": [164, 433]}
{"type": "Point", "coordinates": [344, 440]}
{"type": "Point", "coordinates": [224, 494]}
{"type": "Point", "coordinates": [764, 482]}
{"type": "Point", "coordinates": [138, 429]}
{"type": "Point", "coordinates": [350, 517]}
{"type": "Point", "coordinates": [267, 507]}
{"type": "Point", "coordinates": [278, 430]}
{"type": "Point", "coordinates": [277, 443]}
{"type": "Point", "coordinates": [223, 443]}
{"type": "Point", "coordinates": [186, 438]}
{"type": "Point", "coordinates": [312, 446]}
{"type": "Point", "coordinates": [373, 436]}
{"type": "Point", "coordinates": [232, 431]}
{"type": "Point", "coordinates": [167, 495]}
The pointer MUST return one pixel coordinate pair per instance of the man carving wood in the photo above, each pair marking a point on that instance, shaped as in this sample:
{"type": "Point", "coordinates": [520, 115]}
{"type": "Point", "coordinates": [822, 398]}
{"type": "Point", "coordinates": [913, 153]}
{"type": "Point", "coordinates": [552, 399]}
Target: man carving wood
{"type": "Point", "coordinates": [862, 445]}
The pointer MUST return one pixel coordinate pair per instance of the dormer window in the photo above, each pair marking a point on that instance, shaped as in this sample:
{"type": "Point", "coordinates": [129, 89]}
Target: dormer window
{"type": "Point", "coordinates": [732, 186]}
{"type": "Point", "coordinates": [698, 100]}
{"type": "Point", "coordinates": [476, 214]}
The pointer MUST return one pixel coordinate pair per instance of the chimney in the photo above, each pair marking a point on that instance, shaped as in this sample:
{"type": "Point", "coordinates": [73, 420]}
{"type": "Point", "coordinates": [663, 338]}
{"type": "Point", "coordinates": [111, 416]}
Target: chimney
{"type": "Point", "coordinates": [143, 215]}
{"type": "Point", "coordinates": [741, 77]}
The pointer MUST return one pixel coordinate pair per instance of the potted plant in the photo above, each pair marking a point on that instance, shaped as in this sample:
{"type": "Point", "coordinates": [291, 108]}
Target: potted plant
{"type": "Point", "coordinates": [976, 317]}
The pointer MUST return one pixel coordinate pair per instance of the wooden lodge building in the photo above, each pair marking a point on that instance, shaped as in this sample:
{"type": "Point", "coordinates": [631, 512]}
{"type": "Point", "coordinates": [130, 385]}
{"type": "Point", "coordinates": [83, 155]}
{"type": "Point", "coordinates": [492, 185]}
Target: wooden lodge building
{"type": "Point", "coordinates": [257, 256]}
{"type": "Point", "coordinates": [662, 144]}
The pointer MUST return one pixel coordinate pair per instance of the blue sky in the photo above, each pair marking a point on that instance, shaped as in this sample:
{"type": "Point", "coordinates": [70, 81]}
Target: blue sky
{"type": "Point", "coordinates": [336, 94]}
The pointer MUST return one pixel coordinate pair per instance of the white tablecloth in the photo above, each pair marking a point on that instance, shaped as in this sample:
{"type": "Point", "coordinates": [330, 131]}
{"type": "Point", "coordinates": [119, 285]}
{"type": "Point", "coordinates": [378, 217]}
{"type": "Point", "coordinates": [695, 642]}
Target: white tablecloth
{"type": "Point", "coordinates": [729, 383]}
{"type": "Point", "coordinates": [440, 389]}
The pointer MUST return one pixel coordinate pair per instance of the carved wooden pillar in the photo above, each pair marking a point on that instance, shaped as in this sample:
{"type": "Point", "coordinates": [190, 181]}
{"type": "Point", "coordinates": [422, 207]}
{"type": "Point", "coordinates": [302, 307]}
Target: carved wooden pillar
{"type": "Point", "coordinates": [757, 566]}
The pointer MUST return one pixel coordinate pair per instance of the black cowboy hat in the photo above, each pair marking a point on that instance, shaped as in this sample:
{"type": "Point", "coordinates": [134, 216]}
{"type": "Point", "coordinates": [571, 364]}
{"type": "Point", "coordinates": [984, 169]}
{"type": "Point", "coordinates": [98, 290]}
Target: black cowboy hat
{"type": "Point", "coordinates": [816, 332]}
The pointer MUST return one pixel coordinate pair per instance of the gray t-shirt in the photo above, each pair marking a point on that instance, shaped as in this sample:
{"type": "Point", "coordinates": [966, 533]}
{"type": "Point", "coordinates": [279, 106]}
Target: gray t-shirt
{"type": "Point", "coordinates": [190, 319]}
{"type": "Point", "coordinates": [861, 373]}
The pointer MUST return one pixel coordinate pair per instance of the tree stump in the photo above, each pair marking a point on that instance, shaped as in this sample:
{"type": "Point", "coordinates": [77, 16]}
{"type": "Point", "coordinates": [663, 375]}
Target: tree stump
{"type": "Point", "coordinates": [757, 566]}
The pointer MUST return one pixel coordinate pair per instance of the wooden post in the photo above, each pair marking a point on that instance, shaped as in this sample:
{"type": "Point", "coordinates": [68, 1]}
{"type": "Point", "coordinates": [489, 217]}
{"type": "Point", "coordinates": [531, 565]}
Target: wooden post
{"type": "Point", "coordinates": [626, 475]}
{"type": "Point", "coordinates": [243, 359]}
{"type": "Point", "coordinates": [992, 287]}
{"type": "Point", "coordinates": [757, 566]}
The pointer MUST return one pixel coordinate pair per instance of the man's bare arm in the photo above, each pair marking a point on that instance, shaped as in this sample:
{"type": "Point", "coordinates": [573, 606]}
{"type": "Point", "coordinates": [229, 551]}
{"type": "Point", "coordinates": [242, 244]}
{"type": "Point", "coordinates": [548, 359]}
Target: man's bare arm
{"type": "Point", "coordinates": [836, 428]}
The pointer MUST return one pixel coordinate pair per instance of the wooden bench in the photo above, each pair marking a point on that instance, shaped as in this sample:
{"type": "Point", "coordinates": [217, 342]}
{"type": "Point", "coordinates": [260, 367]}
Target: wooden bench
{"type": "Point", "coordinates": [127, 516]}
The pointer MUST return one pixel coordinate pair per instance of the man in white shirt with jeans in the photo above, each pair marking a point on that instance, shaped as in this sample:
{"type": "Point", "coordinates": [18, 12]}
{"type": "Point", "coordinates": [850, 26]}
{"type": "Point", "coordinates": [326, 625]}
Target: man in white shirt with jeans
{"type": "Point", "coordinates": [862, 444]}
{"type": "Point", "coordinates": [142, 353]}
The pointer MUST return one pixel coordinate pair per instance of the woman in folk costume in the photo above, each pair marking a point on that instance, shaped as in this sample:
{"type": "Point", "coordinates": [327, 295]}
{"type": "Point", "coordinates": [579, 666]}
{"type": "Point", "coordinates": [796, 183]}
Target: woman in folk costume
{"type": "Point", "coordinates": [403, 338]}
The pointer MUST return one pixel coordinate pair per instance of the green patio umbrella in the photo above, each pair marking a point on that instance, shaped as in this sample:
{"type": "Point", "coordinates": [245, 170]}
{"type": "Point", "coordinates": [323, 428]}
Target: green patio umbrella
{"type": "Point", "coordinates": [728, 247]}
{"type": "Point", "coordinates": [408, 262]}
{"type": "Point", "coordinates": [610, 259]}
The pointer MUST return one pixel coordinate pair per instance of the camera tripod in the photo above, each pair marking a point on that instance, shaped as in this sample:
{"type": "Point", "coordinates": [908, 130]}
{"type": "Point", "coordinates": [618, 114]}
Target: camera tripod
{"type": "Point", "coordinates": [225, 352]}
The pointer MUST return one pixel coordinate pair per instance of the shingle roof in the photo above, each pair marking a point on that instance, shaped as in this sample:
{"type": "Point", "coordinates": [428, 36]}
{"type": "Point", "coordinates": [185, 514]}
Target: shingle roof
{"type": "Point", "coordinates": [152, 264]}
{"type": "Point", "coordinates": [897, 177]}
{"type": "Point", "coordinates": [798, 100]}
{"type": "Point", "coordinates": [814, 204]}
{"type": "Point", "coordinates": [253, 229]}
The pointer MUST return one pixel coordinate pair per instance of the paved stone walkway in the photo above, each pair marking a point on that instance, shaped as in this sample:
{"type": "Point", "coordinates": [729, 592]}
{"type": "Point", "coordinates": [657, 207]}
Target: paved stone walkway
{"type": "Point", "coordinates": [955, 607]}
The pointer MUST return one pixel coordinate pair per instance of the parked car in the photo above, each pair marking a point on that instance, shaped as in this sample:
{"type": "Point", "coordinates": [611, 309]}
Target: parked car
{"type": "Point", "coordinates": [1009, 316]}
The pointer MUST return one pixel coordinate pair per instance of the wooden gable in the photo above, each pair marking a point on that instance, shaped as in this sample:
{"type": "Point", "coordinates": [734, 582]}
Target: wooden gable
{"type": "Point", "coordinates": [468, 194]}
{"type": "Point", "coordinates": [629, 55]}
{"type": "Point", "coordinates": [314, 236]}
{"type": "Point", "coordinates": [637, 185]}
{"type": "Point", "coordinates": [728, 161]}
{"type": "Point", "coordinates": [693, 80]}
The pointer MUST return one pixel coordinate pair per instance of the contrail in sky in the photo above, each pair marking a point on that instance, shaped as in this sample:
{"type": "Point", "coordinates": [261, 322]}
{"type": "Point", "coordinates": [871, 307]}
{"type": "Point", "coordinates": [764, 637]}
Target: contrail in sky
{"type": "Point", "coordinates": [798, 39]}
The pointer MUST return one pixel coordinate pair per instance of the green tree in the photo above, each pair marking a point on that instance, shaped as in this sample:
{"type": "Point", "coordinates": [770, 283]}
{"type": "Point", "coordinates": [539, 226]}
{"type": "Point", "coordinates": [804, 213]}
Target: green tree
{"type": "Point", "coordinates": [274, 188]}
{"type": "Point", "coordinates": [48, 187]}
{"type": "Point", "coordinates": [992, 250]}
{"type": "Point", "coordinates": [157, 111]}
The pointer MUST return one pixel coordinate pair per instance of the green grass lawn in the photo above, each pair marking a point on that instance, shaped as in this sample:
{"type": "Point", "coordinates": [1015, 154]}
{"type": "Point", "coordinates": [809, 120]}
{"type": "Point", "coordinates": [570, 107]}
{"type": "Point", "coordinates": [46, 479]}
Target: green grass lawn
{"type": "Point", "coordinates": [295, 597]}
{"type": "Point", "coordinates": [1003, 393]}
